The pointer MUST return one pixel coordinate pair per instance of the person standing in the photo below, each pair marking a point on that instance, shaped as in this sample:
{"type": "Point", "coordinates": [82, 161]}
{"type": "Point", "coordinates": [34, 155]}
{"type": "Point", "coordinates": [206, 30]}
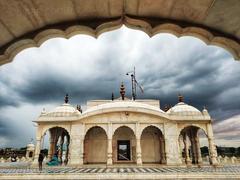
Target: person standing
{"type": "Point", "coordinates": [40, 161]}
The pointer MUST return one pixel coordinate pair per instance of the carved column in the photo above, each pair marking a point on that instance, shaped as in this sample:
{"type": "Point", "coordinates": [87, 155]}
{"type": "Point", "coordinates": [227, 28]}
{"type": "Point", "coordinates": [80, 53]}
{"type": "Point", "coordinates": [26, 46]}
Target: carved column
{"type": "Point", "coordinates": [138, 144]}
{"type": "Point", "coordinates": [50, 150]}
{"type": "Point", "coordinates": [81, 150]}
{"type": "Point", "coordinates": [212, 148]}
{"type": "Point", "coordinates": [109, 152]}
{"type": "Point", "coordinates": [162, 151]}
{"type": "Point", "coordinates": [109, 145]}
{"type": "Point", "coordinates": [180, 147]}
{"type": "Point", "coordinates": [60, 153]}
{"type": "Point", "coordinates": [212, 152]}
{"type": "Point", "coordinates": [199, 155]}
{"type": "Point", "coordinates": [67, 151]}
{"type": "Point", "coordinates": [193, 148]}
{"type": "Point", "coordinates": [139, 151]}
{"type": "Point", "coordinates": [186, 145]}
{"type": "Point", "coordinates": [37, 150]}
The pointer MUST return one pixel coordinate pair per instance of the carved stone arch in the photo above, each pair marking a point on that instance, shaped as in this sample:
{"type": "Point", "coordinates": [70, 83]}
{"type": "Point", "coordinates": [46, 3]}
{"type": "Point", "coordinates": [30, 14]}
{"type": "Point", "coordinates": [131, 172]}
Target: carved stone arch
{"type": "Point", "coordinates": [88, 127]}
{"type": "Point", "coordinates": [117, 126]}
{"type": "Point", "coordinates": [200, 126]}
{"type": "Point", "coordinates": [144, 126]}
{"type": "Point", "coordinates": [48, 127]}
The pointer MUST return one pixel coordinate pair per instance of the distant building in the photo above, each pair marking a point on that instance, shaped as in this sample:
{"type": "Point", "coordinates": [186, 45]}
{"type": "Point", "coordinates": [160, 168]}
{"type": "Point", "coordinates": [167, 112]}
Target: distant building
{"type": "Point", "coordinates": [123, 130]}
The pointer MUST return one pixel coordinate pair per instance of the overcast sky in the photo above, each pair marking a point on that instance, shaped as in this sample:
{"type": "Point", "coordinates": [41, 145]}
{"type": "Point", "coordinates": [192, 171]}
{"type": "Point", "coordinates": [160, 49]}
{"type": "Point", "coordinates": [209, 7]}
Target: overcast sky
{"type": "Point", "coordinates": [89, 68]}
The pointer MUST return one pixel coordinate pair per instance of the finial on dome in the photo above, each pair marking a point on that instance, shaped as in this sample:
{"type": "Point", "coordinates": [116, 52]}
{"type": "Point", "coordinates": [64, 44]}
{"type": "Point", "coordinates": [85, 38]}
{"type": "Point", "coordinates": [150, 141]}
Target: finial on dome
{"type": "Point", "coordinates": [43, 111]}
{"type": "Point", "coordinates": [79, 108]}
{"type": "Point", "coordinates": [122, 91]}
{"type": "Point", "coordinates": [112, 96]}
{"type": "Point", "coordinates": [180, 98]}
{"type": "Point", "coordinates": [205, 111]}
{"type": "Point", "coordinates": [66, 99]}
{"type": "Point", "coordinates": [166, 107]}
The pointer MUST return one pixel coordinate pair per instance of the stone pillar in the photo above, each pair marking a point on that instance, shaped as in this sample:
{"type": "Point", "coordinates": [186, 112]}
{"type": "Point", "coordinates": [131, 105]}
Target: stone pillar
{"type": "Point", "coordinates": [52, 143]}
{"type": "Point", "coordinates": [50, 151]}
{"type": "Point", "coordinates": [76, 144]}
{"type": "Point", "coordinates": [61, 148]}
{"type": "Point", "coordinates": [138, 144]}
{"type": "Point", "coordinates": [171, 144]}
{"type": "Point", "coordinates": [194, 152]}
{"type": "Point", "coordinates": [212, 148]}
{"type": "Point", "coordinates": [180, 146]}
{"type": "Point", "coordinates": [109, 152]}
{"type": "Point", "coordinates": [199, 154]}
{"type": "Point", "coordinates": [37, 150]}
{"type": "Point", "coordinates": [212, 152]}
{"type": "Point", "coordinates": [82, 150]}
{"type": "Point", "coordinates": [109, 145]}
{"type": "Point", "coordinates": [162, 151]}
{"type": "Point", "coordinates": [139, 151]}
{"type": "Point", "coordinates": [67, 151]}
{"type": "Point", "coordinates": [186, 145]}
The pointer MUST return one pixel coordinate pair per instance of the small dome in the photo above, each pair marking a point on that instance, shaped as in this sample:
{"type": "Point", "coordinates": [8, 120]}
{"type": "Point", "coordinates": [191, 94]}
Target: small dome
{"type": "Point", "coordinates": [65, 110]}
{"type": "Point", "coordinates": [30, 145]}
{"type": "Point", "coordinates": [183, 109]}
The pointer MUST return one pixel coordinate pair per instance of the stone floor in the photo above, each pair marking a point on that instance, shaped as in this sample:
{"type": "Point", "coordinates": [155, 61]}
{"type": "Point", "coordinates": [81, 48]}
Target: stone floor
{"type": "Point", "coordinates": [88, 172]}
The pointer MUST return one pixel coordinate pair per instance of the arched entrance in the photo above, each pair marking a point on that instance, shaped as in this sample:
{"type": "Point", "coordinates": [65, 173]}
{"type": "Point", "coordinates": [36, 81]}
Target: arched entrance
{"type": "Point", "coordinates": [153, 145]}
{"type": "Point", "coordinates": [59, 140]}
{"type": "Point", "coordinates": [95, 146]}
{"type": "Point", "coordinates": [124, 145]}
{"type": "Point", "coordinates": [190, 146]}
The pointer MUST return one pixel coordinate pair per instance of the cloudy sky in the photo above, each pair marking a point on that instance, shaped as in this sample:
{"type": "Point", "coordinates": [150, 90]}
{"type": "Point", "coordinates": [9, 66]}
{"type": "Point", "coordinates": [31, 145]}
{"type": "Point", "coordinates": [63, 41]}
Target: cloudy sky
{"type": "Point", "coordinates": [89, 68]}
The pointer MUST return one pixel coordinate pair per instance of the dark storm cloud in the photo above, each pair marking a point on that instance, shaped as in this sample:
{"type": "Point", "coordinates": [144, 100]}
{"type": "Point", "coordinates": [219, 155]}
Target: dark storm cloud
{"type": "Point", "coordinates": [8, 96]}
{"type": "Point", "coordinates": [7, 101]}
{"type": "Point", "coordinates": [6, 128]}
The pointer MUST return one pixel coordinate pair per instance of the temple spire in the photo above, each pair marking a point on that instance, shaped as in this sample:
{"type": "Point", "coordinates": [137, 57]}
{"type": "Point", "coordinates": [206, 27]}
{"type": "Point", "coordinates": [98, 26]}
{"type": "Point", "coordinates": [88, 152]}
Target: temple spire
{"type": "Point", "coordinates": [66, 99]}
{"type": "Point", "coordinates": [180, 98]}
{"type": "Point", "coordinates": [122, 91]}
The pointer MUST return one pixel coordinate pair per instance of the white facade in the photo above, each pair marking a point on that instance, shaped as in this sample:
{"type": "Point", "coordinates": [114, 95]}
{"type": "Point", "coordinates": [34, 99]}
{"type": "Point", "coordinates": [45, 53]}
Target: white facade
{"type": "Point", "coordinates": [145, 133]}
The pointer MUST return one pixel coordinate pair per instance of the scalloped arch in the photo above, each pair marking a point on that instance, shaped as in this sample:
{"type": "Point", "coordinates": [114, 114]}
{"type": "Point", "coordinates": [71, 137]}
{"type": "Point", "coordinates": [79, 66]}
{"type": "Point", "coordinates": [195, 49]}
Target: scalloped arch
{"type": "Point", "coordinates": [119, 126]}
{"type": "Point", "coordinates": [157, 126]}
{"type": "Point", "coordinates": [48, 127]}
{"type": "Point", "coordinates": [200, 127]}
{"type": "Point", "coordinates": [203, 34]}
{"type": "Point", "coordinates": [89, 128]}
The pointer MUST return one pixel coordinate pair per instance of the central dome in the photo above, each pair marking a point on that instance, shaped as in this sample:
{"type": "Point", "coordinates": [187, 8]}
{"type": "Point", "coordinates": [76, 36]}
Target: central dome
{"type": "Point", "coordinates": [123, 104]}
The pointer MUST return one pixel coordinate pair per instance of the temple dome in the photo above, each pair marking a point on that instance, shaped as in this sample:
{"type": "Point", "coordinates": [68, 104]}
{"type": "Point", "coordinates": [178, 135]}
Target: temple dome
{"type": "Point", "coordinates": [123, 104]}
{"type": "Point", "coordinates": [64, 110]}
{"type": "Point", "coordinates": [184, 109]}
{"type": "Point", "coordinates": [30, 145]}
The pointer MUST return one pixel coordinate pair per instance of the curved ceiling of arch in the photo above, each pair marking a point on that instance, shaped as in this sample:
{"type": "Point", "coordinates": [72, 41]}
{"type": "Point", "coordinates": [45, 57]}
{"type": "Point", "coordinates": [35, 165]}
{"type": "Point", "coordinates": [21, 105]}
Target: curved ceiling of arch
{"type": "Point", "coordinates": [29, 23]}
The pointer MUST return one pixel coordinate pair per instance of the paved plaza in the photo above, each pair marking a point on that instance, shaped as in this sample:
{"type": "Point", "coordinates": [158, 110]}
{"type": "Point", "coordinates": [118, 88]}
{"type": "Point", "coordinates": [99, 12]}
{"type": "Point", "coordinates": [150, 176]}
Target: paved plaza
{"type": "Point", "coordinates": [225, 172]}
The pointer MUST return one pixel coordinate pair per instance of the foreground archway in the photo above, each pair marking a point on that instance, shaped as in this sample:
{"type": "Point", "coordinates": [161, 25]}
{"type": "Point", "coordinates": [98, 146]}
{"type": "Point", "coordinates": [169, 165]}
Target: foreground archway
{"type": "Point", "coordinates": [95, 146]}
{"type": "Point", "coordinates": [39, 21]}
{"type": "Point", "coordinates": [153, 145]}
